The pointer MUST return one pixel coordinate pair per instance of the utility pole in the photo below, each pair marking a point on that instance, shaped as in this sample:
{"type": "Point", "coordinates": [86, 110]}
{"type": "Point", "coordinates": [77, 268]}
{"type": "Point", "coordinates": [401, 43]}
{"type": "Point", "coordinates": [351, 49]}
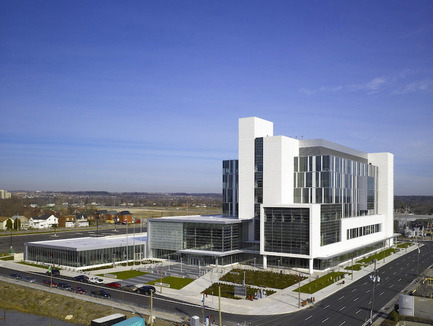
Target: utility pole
{"type": "Point", "coordinates": [374, 285]}
{"type": "Point", "coordinates": [219, 305]}
{"type": "Point", "coordinates": [299, 289]}
{"type": "Point", "coordinates": [151, 307]}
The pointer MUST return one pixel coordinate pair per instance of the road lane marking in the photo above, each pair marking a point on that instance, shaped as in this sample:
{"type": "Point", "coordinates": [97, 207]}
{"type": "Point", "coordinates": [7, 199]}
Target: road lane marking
{"type": "Point", "coordinates": [341, 298]}
{"type": "Point", "coordinates": [358, 312]}
{"type": "Point", "coordinates": [342, 308]}
{"type": "Point", "coordinates": [325, 320]}
{"type": "Point", "coordinates": [353, 290]}
{"type": "Point", "coordinates": [364, 283]}
{"type": "Point", "coordinates": [308, 318]}
{"type": "Point", "coordinates": [394, 273]}
{"type": "Point", "coordinates": [357, 298]}
{"type": "Point", "coordinates": [399, 280]}
{"type": "Point", "coordinates": [326, 306]}
{"type": "Point", "coordinates": [367, 291]}
{"type": "Point", "coordinates": [382, 293]}
{"type": "Point", "coordinates": [342, 323]}
{"type": "Point", "coordinates": [391, 285]}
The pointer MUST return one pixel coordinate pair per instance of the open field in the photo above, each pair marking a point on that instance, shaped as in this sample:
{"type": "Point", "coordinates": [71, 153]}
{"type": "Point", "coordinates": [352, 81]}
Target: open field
{"type": "Point", "coordinates": [25, 299]}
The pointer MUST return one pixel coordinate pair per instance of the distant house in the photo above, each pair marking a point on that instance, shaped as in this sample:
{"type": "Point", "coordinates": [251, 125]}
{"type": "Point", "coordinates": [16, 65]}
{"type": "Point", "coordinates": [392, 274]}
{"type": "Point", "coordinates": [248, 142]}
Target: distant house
{"type": "Point", "coordinates": [111, 217]}
{"type": "Point", "coordinates": [23, 221]}
{"type": "Point", "coordinates": [4, 222]}
{"type": "Point", "coordinates": [81, 220]}
{"type": "Point", "coordinates": [125, 217]}
{"type": "Point", "coordinates": [67, 221]}
{"type": "Point", "coordinates": [43, 222]}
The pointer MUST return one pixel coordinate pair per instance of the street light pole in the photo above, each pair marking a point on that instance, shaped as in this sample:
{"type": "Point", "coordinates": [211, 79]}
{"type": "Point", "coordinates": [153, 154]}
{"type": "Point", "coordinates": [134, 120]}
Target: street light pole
{"type": "Point", "coordinates": [372, 300]}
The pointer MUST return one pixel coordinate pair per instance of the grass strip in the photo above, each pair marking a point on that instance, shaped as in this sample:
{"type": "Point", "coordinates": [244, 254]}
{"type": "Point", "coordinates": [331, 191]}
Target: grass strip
{"type": "Point", "coordinates": [380, 255]}
{"type": "Point", "coordinates": [321, 282]}
{"type": "Point", "coordinates": [261, 278]}
{"type": "Point", "coordinates": [228, 290]}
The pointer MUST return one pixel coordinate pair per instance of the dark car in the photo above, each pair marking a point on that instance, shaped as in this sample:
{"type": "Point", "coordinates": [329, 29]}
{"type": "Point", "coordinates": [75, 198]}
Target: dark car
{"type": "Point", "coordinates": [64, 286]}
{"type": "Point", "coordinates": [81, 278]}
{"type": "Point", "coordinates": [79, 290]}
{"type": "Point", "coordinates": [54, 272]}
{"type": "Point", "coordinates": [16, 276]}
{"type": "Point", "coordinates": [147, 289]}
{"type": "Point", "coordinates": [101, 293]}
{"type": "Point", "coordinates": [114, 285]}
{"type": "Point", "coordinates": [48, 282]}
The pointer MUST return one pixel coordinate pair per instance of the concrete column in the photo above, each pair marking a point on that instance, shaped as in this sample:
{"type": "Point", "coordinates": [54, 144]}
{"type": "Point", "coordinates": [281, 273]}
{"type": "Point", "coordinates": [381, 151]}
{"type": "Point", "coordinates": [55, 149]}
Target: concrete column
{"type": "Point", "coordinates": [311, 265]}
{"type": "Point", "coordinates": [265, 262]}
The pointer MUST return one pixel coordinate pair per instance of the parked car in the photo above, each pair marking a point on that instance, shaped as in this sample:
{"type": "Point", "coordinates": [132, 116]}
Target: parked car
{"type": "Point", "coordinates": [29, 279]}
{"type": "Point", "coordinates": [79, 290]}
{"type": "Point", "coordinates": [16, 276]}
{"type": "Point", "coordinates": [54, 272]}
{"type": "Point", "coordinates": [96, 280]}
{"type": "Point", "coordinates": [64, 286]}
{"type": "Point", "coordinates": [48, 282]}
{"type": "Point", "coordinates": [81, 278]}
{"type": "Point", "coordinates": [130, 288]}
{"type": "Point", "coordinates": [114, 285]}
{"type": "Point", "coordinates": [101, 293]}
{"type": "Point", "coordinates": [147, 289]}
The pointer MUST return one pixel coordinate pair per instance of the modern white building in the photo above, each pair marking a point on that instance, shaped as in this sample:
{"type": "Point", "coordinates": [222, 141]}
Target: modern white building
{"type": "Point", "coordinates": [310, 204]}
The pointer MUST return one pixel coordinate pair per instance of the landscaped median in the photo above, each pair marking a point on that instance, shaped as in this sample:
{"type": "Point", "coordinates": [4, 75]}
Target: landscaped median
{"type": "Point", "coordinates": [255, 281]}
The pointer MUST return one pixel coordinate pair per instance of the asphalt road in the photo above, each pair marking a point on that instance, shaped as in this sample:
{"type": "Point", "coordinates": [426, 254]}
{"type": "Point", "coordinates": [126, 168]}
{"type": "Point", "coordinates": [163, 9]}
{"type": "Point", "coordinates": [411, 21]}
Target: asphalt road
{"type": "Point", "coordinates": [349, 306]}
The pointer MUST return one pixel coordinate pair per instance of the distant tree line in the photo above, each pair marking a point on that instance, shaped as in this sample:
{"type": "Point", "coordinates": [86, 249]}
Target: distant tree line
{"type": "Point", "coordinates": [418, 205]}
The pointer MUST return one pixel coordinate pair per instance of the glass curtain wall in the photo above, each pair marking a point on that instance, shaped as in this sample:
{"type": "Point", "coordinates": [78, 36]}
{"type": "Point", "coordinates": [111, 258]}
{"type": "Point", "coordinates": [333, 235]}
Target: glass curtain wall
{"type": "Point", "coordinates": [287, 230]}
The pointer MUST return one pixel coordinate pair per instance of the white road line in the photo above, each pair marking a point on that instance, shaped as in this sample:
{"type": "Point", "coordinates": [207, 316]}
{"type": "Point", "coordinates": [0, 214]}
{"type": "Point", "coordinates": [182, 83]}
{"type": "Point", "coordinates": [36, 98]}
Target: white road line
{"type": "Point", "coordinates": [342, 323]}
{"type": "Point", "coordinates": [326, 306]}
{"type": "Point", "coordinates": [325, 320]}
{"type": "Point", "coordinates": [353, 290]}
{"type": "Point", "coordinates": [358, 312]}
{"type": "Point", "coordinates": [341, 298]}
{"type": "Point", "coordinates": [342, 308]}
{"type": "Point", "coordinates": [367, 291]}
{"type": "Point", "coordinates": [364, 283]}
{"type": "Point", "coordinates": [399, 280]}
{"type": "Point", "coordinates": [308, 318]}
{"type": "Point", "coordinates": [357, 298]}
{"type": "Point", "coordinates": [391, 285]}
{"type": "Point", "coordinates": [382, 293]}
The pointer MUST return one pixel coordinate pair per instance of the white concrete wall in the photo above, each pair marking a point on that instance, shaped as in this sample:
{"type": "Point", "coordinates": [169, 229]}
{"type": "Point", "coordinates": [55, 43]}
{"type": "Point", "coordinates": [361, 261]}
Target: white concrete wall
{"type": "Point", "coordinates": [278, 169]}
{"type": "Point", "coordinates": [249, 129]}
{"type": "Point", "coordinates": [385, 200]}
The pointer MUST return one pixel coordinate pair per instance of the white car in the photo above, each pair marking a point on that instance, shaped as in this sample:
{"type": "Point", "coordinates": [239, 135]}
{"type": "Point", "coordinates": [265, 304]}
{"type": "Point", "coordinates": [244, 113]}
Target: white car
{"type": "Point", "coordinates": [96, 280]}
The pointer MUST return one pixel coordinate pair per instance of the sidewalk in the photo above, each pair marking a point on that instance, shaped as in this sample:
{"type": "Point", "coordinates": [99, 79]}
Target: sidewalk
{"type": "Point", "coordinates": [282, 302]}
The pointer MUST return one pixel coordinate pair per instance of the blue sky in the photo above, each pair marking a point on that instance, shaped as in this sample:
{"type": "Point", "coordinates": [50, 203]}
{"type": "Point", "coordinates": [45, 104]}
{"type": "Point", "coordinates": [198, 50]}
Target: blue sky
{"type": "Point", "coordinates": [146, 95]}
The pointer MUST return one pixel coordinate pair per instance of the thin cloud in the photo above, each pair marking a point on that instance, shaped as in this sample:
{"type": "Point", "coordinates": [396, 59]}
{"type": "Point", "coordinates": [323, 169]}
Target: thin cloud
{"type": "Point", "coordinates": [425, 86]}
{"type": "Point", "coordinates": [373, 86]}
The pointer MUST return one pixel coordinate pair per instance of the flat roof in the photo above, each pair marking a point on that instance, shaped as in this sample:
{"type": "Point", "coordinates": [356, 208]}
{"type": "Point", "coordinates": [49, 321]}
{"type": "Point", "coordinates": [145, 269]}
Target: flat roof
{"type": "Point", "coordinates": [92, 243]}
{"type": "Point", "coordinates": [216, 219]}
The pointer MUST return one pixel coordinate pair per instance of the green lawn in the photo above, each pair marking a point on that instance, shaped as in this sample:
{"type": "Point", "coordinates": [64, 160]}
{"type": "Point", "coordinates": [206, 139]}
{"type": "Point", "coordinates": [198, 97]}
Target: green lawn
{"type": "Point", "coordinates": [126, 274]}
{"type": "Point", "coordinates": [380, 255]}
{"type": "Point", "coordinates": [321, 282]}
{"type": "Point", "coordinates": [261, 278]}
{"type": "Point", "coordinates": [7, 258]}
{"type": "Point", "coordinates": [404, 245]}
{"type": "Point", "coordinates": [175, 282]}
{"type": "Point", "coordinates": [34, 265]}
{"type": "Point", "coordinates": [356, 267]}
{"type": "Point", "coordinates": [227, 291]}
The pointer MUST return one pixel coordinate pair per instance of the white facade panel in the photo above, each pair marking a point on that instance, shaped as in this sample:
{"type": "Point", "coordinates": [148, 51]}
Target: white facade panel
{"type": "Point", "coordinates": [249, 129]}
{"type": "Point", "coordinates": [278, 154]}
